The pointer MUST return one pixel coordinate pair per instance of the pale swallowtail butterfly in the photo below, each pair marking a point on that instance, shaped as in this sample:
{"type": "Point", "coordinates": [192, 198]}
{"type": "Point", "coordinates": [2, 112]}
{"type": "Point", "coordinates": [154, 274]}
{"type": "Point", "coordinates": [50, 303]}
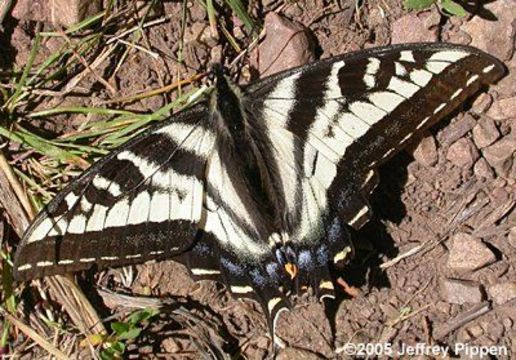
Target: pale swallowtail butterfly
{"type": "Point", "coordinates": [259, 186]}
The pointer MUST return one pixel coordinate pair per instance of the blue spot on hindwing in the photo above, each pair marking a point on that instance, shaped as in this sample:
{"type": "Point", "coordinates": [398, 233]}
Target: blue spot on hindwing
{"type": "Point", "coordinates": [258, 279]}
{"type": "Point", "coordinates": [335, 230]}
{"type": "Point", "coordinates": [322, 255]}
{"type": "Point", "coordinates": [202, 249]}
{"type": "Point", "coordinates": [272, 269]}
{"type": "Point", "coordinates": [305, 260]}
{"type": "Point", "coordinates": [233, 268]}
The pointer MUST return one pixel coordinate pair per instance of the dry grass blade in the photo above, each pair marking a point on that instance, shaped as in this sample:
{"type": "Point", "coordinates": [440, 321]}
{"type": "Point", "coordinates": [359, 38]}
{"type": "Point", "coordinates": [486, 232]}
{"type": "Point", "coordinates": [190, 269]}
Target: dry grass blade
{"type": "Point", "coordinates": [10, 199]}
{"type": "Point", "coordinates": [408, 316]}
{"type": "Point", "coordinates": [152, 54]}
{"type": "Point", "coordinates": [155, 92]}
{"type": "Point", "coordinates": [457, 213]}
{"type": "Point", "coordinates": [135, 28]}
{"type": "Point", "coordinates": [402, 256]}
{"type": "Point", "coordinates": [65, 290]}
{"type": "Point", "coordinates": [72, 84]}
{"type": "Point", "coordinates": [76, 304]}
{"type": "Point", "coordinates": [205, 337]}
{"type": "Point", "coordinates": [88, 67]}
{"type": "Point", "coordinates": [136, 302]}
{"type": "Point", "coordinates": [37, 338]}
{"type": "Point", "coordinates": [501, 209]}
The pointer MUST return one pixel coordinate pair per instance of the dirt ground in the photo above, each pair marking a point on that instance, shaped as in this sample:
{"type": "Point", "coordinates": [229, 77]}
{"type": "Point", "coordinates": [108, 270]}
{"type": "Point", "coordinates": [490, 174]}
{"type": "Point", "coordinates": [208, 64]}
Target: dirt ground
{"type": "Point", "coordinates": [444, 208]}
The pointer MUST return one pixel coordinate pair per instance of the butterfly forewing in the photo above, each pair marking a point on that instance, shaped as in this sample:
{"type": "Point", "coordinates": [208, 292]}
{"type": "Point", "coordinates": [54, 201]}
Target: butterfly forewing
{"type": "Point", "coordinates": [142, 202]}
{"type": "Point", "coordinates": [352, 112]}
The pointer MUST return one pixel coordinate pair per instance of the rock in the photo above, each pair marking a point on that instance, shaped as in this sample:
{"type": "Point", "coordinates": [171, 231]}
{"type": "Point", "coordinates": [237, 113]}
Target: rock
{"type": "Point", "coordinates": [147, 9]}
{"type": "Point", "coordinates": [22, 40]}
{"type": "Point", "coordinates": [475, 331]}
{"type": "Point", "coordinates": [503, 292]}
{"type": "Point", "coordinates": [463, 153]}
{"type": "Point", "coordinates": [376, 17]}
{"type": "Point", "coordinates": [389, 311]}
{"type": "Point", "coordinates": [503, 109]}
{"type": "Point", "coordinates": [482, 103]}
{"type": "Point", "coordinates": [458, 129]}
{"type": "Point", "coordinates": [512, 237]}
{"type": "Point", "coordinates": [69, 12]}
{"type": "Point", "coordinates": [505, 87]}
{"type": "Point", "coordinates": [485, 132]}
{"type": "Point", "coordinates": [216, 53]}
{"type": "Point", "coordinates": [495, 330]}
{"type": "Point", "coordinates": [286, 45]}
{"type": "Point", "coordinates": [500, 155]}
{"type": "Point", "coordinates": [458, 37]}
{"type": "Point", "coordinates": [170, 346]}
{"type": "Point", "coordinates": [494, 37]}
{"type": "Point", "coordinates": [58, 12]}
{"type": "Point", "coordinates": [262, 342]}
{"type": "Point", "coordinates": [196, 33]}
{"type": "Point", "coordinates": [483, 170]}
{"type": "Point", "coordinates": [443, 307]}
{"type": "Point", "coordinates": [35, 10]}
{"type": "Point", "coordinates": [426, 151]}
{"type": "Point", "coordinates": [460, 291]}
{"type": "Point", "coordinates": [499, 196]}
{"type": "Point", "coordinates": [412, 28]}
{"type": "Point", "coordinates": [468, 253]}
{"type": "Point", "coordinates": [366, 312]}
{"type": "Point", "coordinates": [197, 12]}
{"type": "Point", "coordinates": [54, 44]}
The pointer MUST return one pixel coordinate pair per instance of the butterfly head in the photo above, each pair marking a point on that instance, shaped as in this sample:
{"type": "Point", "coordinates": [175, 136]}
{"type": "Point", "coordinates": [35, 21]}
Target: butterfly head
{"type": "Point", "coordinates": [216, 72]}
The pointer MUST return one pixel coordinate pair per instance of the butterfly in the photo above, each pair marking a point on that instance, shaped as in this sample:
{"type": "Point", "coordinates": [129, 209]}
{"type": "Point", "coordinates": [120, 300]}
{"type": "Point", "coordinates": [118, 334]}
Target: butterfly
{"type": "Point", "coordinates": [259, 186]}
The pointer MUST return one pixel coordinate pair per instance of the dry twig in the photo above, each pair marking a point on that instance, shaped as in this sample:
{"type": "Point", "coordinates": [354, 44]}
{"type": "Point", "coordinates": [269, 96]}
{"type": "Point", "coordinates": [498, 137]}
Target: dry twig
{"type": "Point", "coordinates": [462, 319]}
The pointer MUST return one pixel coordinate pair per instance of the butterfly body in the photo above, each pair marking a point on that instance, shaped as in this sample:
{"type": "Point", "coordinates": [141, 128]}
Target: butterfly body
{"type": "Point", "coordinates": [260, 186]}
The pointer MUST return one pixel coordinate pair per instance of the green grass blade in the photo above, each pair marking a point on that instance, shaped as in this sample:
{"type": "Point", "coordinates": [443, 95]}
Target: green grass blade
{"type": "Point", "coordinates": [80, 110]}
{"type": "Point", "coordinates": [12, 102]}
{"type": "Point", "coordinates": [238, 8]}
{"type": "Point", "coordinates": [60, 55]}
{"type": "Point", "coordinates": [114, 138]}
{"type": "Point", "coordinates": [43, 196]}
{"type": "Point", "coordinates": [212, 19]}
{"type": "Point", "coordinates": [84, 24]}
{"type": "Point", "coordinates": [418, 4]}
{"type": "Point", "coordinates": [39, 145]}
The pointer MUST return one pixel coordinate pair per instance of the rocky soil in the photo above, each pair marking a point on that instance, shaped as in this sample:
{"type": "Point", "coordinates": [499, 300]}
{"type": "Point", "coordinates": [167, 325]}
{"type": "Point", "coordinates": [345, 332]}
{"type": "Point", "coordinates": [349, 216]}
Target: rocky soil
{"type": "Point", "coordinates": [436, 265]}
